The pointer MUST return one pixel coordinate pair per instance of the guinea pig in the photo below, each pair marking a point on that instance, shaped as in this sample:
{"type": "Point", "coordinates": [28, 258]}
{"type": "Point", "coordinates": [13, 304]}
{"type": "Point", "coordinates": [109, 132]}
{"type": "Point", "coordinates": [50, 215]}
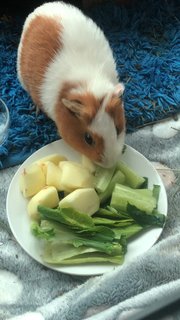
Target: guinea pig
{"type": "Point", "coordinates": [66, 65]}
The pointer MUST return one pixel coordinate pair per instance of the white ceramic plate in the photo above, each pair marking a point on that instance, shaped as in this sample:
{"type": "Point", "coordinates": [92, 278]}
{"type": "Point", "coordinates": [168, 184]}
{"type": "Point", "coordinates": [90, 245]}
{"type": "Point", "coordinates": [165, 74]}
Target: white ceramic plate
{"type": "Point", "coordinates": [20, 223]}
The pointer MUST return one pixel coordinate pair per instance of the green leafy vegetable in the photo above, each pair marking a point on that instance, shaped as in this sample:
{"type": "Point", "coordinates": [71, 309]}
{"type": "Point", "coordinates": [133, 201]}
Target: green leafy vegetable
{"type": "Point", "coordinates": [110, 222]}
{"type": "Point", "coordinates": [128, 231]}
{"type": "Point", "coordinates": [78, 221]}
{"type": "Point", "coordinates": [111, 213]}
{"type": "Point", "coordinates": [69, 243]}
{"type": "Point", "coordinates": [145, 219]}
{"type": "Point", "coordinates": [112, 248]}
{"type": "Point", "coordinates": [88, 256]}
{"type": "Point", "coordinates": [45, 233]}
{"type": "Point", "coordinates": [144, 185]}
{"type": "Point", "coordinates": [105, 213]}
{"type": "Point", "coordinates": [58, 253]}
{"type": "Point", "coordinates": [67, 216]}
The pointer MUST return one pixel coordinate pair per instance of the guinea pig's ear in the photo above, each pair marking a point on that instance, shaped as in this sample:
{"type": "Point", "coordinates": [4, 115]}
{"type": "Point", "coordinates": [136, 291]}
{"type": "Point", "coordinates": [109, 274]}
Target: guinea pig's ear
{"type": "Point", "coordinates": [74, 106]}
{"type": "Point", "coordinates": [118, 90]}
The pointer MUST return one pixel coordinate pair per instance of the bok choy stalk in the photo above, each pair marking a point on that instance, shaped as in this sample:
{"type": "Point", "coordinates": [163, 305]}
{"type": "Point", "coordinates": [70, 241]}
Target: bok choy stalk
{"type": "Point", "coordinates": [65, 243]}
{"type": "Point", "coordinates": [103, 177]}
{"type": "Point", "coordinates": [132, 179]}
{"type": "Point", "coordinates": [143, 199]}
{"type": "Point", "coordinates": [118, 177]}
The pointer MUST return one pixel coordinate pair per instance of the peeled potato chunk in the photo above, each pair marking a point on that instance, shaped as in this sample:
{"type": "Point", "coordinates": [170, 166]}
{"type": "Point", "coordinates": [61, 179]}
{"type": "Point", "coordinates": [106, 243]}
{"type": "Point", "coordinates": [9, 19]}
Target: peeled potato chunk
{"type": "Point", "coordinates": [88, 164]}
{"type": "Point", "coordinates": [53, 175]}
{"type": "Point", "coordinates": [83, 200]}
{"type": "Point", "coordinates": [55, 158]}
{"type": "Point", "coordinates": [75, 176]}
{"type": "Point", "coordinates": [47, 197]}
{"type": "Point", "coordinates": [43, 166]}
{"type": "Point", "coordinates": [32, 180]}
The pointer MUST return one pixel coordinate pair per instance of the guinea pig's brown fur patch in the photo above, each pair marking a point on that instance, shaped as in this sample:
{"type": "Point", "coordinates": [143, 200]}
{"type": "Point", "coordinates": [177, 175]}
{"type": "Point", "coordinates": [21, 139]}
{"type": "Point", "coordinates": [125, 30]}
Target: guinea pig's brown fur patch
{"type": "Point", "coordinates": [90, 104]}
{"type": "Point", "coordinates": [73, 128]}
{"type": "Point", "coordinates": [116, 110]}
{"type": "Point", "coordinates": [40, 43]}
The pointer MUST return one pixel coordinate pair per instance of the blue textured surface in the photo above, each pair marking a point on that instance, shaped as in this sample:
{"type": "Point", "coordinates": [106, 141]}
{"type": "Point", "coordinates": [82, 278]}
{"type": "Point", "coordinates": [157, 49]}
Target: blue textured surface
{"type": "Point", "coordinates": [146, 43]}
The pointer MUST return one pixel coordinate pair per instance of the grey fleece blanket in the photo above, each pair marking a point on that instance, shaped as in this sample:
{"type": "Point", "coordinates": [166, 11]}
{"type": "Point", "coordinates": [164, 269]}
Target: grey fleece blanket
{"type": "Point", "coordinates": [29, 291]}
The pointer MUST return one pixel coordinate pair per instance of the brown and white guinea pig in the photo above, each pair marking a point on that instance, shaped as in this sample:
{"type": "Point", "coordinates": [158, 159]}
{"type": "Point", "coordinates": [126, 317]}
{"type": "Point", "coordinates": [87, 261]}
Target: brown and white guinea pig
{"type": "Point", "coordinates": [66, 65]}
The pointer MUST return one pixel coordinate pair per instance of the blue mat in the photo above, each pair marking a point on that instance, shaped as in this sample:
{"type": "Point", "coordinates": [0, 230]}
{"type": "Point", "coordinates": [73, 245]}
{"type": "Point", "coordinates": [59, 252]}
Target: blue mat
{"type": "Point", "coordinates": [146, 43]}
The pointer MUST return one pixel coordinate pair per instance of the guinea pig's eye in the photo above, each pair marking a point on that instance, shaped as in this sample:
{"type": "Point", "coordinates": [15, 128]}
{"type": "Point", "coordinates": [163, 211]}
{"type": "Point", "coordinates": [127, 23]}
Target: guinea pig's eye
{"type": "Point", "coordinates": [88, 139]}
{"type": "Point", "coordinates": [117, 131]}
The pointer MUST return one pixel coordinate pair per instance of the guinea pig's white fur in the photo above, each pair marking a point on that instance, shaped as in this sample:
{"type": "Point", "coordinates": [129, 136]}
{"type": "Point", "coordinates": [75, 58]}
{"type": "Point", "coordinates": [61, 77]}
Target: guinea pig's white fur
{"type": "Point", "coordinates": [67, 66]}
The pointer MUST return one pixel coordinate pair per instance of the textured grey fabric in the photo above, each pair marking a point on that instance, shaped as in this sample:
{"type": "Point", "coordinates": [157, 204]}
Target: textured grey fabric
{"type": "Point", "coordinates": [30, 291]}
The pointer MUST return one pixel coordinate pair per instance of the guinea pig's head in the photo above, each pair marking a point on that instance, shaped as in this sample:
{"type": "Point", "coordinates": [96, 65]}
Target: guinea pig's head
{"type": "Point", "coordinates": [93, 126]}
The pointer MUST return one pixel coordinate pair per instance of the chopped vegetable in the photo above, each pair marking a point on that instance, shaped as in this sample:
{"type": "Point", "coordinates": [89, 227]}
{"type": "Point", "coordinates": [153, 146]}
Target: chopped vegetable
{"type": "Point", "coordinates": [53, 158]}
{"type": "Point", "coordinates": [65, 243]}
{"type": "Point", "coordinates": [102, 178]}
{"type": "Point", "coordinates": [133, 180]}
{"type": "Point", "coordinates": [42, 233]}
{"type": "Point", "coordinates": [67, 216]}
{"type": "Point", "coordinates": [111, 222]}
{"type": "Point", "coordinates": [84, 213]}
{"type": "Point", "coordinates": [53, 176]}
{"type": "Point", "coordinates": [141, 198]}
{"type": "Point", "coordinates": [75, 176]}
{"type": "Point", "coordinates": [28, 186]}
{"type": "Point", "coordinates": [145, 219]}
{"type": "Point", "coordinates": [88, 164]}
{"type": "Point", "coordinates": [83, 200]}
{"type": "Point", "coordinates": [88, 255]}
{"type": "Point", "coordinates": [118, 177]}
{"type": "Point", "coordinates": [128, 231]}
{"type": "Point", "coordinates": [156, 191]}
{"type": "Point", "coordinates": [48, 197]}
{"type": "Point", "coordinates": [105, 213]}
